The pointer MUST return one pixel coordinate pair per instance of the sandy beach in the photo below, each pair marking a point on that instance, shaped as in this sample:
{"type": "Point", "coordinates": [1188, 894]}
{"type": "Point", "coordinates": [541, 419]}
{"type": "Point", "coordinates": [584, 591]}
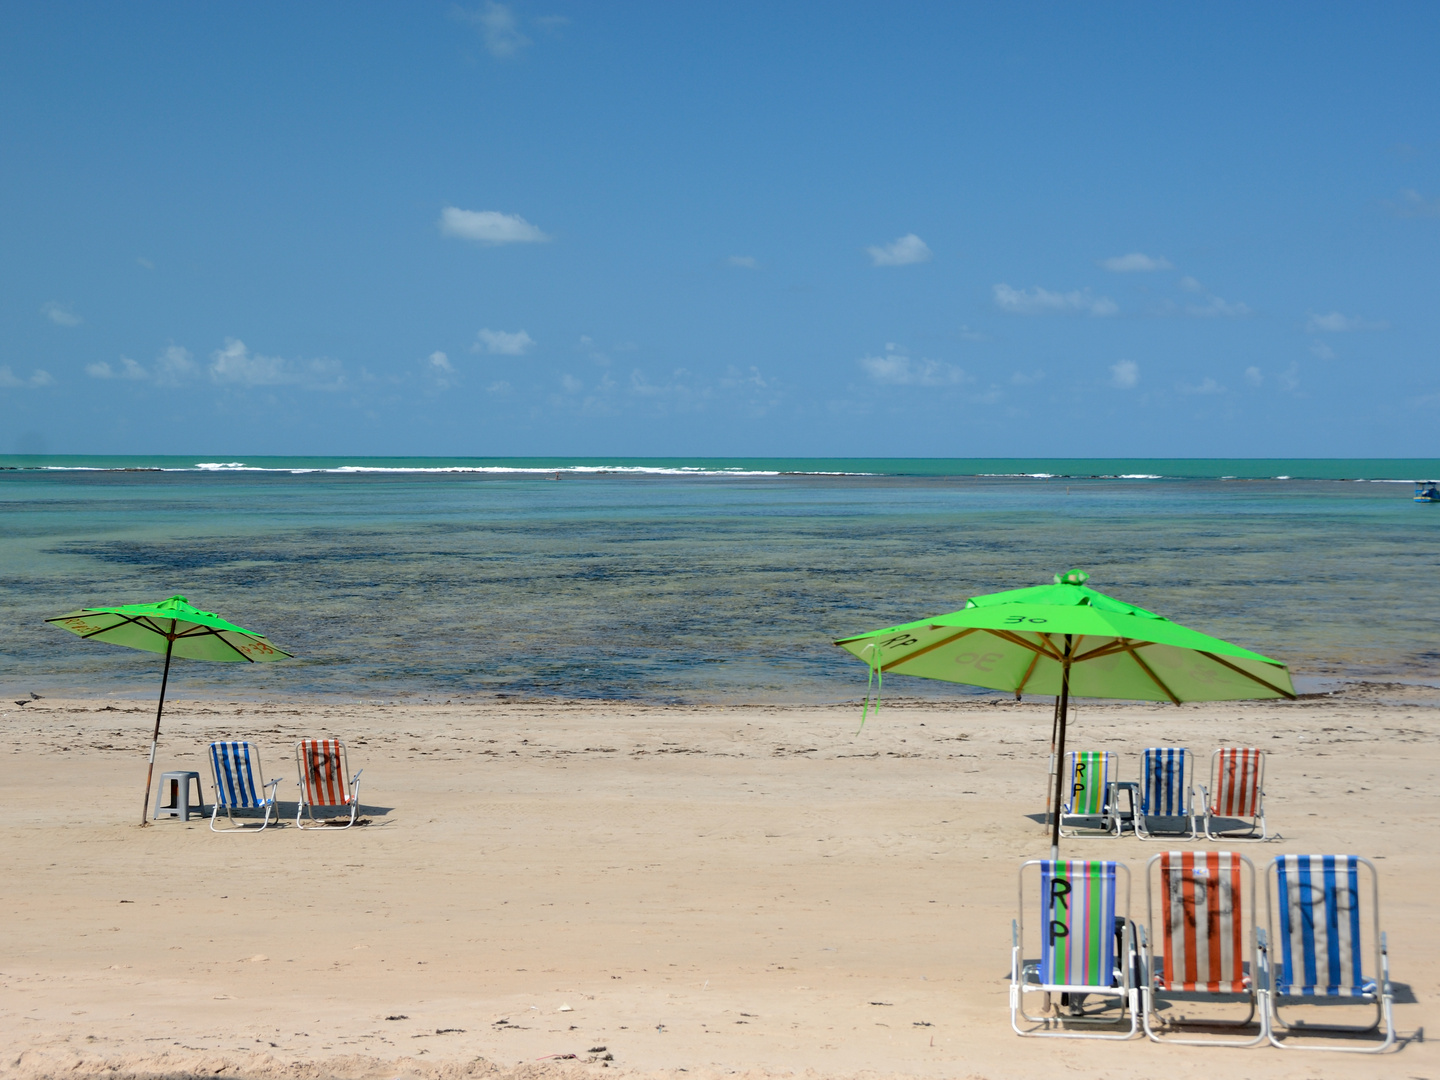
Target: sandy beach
{"type": "Point", "coordinates": [557, 889]}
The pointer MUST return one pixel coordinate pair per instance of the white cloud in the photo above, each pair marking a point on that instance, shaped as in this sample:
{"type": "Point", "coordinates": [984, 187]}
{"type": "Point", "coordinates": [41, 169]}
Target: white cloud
{"type": "Point", "coordinates": [748, 262]}
{"type": "Point", "coordinates": [1040, 301]}
{"type": "Point", "coordinates": [174, 364]}
{"type": "Point", "coordinates": [894, 368]}
{"type": "Point", "coordinates": [1021, 378]}
{"type": "Point", "coordinates": [1206, 386]}
{"type": "Point", "coordinates": [1215, 307]}
{"type": "Point", "coordinates": [752, 379]}
{"type": "Point", "coordinates": [906, 250]}
{"type": "Point", "coordinates": [1322, 350]}
{"type": "Point", "coordinates": [128, 369]}
{"type": "Point", "coordinates": [571, 384]}
{"type": "Point", "coordinates": [1336, 323]}
{"type": "Point", "coordinates": [440, 371]}
{"type": "Point", "coordinates": [11, 381]}
{"type": "Point", "coordinates": [1136, 262]}
{"type": "Point", "coordinates": [1290, 377]}
{"type": "Point", "coordinates": [499, 28]}
{"type": "Point", "coordinates": [146, 263]}
{"type": "Point", "coordinates": [1412, 204]}
{"type": "Point", "coordinates": [972, 335]}
{"type": "Point", "coordinates": [1253, 376]}
{"type": "Point", "coordinates": [502, 342]}
{"type": "Point", "coordinates": [1124, 374]}
{"type": "Point", "coordinates": [1219, 308]}
{"type": "Point", "coordinates": [237, 365]}
{"type": "Point", "coordinates": [489, 227]}
{"type": "Point", "coordinates": [59, 313]}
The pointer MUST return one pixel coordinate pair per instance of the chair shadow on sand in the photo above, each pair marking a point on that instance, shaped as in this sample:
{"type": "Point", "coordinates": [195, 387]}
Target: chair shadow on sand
{"type": "Point", "coordinates": [288, 810]}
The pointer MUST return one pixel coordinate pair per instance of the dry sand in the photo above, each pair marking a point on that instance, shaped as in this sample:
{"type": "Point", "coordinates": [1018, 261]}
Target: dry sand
{"type": "Point", "coordinates": [749, 890]}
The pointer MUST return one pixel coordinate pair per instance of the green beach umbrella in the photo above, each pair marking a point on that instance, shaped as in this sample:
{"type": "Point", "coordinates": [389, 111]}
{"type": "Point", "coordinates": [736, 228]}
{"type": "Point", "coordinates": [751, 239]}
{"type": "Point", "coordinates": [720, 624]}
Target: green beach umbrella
{"type": "Point", "coordinates": [174, 628]}
{"type": "Point", "coordinates": [1069, 640]}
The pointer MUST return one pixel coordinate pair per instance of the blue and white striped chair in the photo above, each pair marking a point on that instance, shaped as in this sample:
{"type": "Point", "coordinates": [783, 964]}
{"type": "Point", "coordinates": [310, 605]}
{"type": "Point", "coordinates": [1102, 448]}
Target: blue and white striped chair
{"type": "Point", "coordinates": [1320, 944]}
{"type": "Point", "coordinates": [239, 784]}
{"type": "Point", "coordinates": [1166, 807]}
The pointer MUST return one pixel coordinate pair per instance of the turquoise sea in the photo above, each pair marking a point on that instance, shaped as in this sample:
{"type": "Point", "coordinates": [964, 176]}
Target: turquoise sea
{"type": "Point", "coordinates": [689, 580]}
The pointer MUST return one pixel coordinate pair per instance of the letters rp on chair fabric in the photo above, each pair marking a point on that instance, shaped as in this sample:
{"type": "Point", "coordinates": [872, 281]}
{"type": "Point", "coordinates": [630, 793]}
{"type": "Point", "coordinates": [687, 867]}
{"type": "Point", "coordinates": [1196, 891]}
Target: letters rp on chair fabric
{"type": "Point", "coordinates": [1319, 927]}
{"type": "Point", "coordinates": [1237, 777]}
{"type": "Point", "coordinates": [1086, 950]}
{"type": "Point", "coordinates": [323, 766]}
{"type": "Point", "coordinates": [1092, 792]}
{"type": "Point", "coordinates": [1204, 924]}
{"type": "Point", "coordinates": [239, 783]}
{"type": "Point", "coordinates": [1165, 789]}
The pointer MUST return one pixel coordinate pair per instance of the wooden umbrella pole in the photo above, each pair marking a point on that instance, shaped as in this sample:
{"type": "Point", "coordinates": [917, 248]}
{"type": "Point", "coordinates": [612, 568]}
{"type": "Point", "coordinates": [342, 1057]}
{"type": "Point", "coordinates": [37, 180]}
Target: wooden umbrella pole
{"type": "Point", "coordinates": [155, 738]}
{"type": "Point", "coordinates": [1064, 704]}
{"type": "Point", "coordinates": [1050, 776]}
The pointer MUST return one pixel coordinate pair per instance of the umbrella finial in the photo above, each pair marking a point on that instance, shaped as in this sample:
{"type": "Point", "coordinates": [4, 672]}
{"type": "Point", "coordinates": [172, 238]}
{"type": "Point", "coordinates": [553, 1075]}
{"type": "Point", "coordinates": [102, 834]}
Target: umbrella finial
{"type": "Point", "coordinates": [1072, 577]}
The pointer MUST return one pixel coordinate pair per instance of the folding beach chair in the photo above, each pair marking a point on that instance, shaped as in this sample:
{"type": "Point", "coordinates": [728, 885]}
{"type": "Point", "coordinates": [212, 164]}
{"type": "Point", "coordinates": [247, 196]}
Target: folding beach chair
{"type": "Point", "coordinates": [1237, 778]}
{"type": "Point", "coordinates": [1092, 793]}
{"type": "Point", "coordinates": [239, 784]}
{"type": "Point", "coordinates": [1320, 946]}
{"type": "Point", "coordinates": [1208, 943]}
{"type": "Point", "coordinates": [323, 766]}
{"type": "Point", "coordinates": [1086, 950]}
{"type": "Point", "coordinates": [1165, 795]}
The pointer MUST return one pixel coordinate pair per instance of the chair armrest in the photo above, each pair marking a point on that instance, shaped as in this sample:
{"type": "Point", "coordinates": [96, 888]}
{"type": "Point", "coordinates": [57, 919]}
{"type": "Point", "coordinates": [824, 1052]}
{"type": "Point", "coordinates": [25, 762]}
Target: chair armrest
{"type": "Point", "coordinates": [1262, 952]}
{"type": "Point", "coordinates": [1204, 793]}
{"type": "Point", "coordinates": [1384, 964]}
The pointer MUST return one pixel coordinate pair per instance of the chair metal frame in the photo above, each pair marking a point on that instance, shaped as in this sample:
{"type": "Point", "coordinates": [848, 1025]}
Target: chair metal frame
{"type": "Point", "coordinates": [1208, 810]}
{"type": "Point", "coordinates": [1025, 976]}
{"type": "Point", "coordinates": [1256, 950]}
{"type": "Point", "coordinates": [350, 791]}
{"type": "Point", "coordinates": [1109, 817]}
{"type": "Point", "coordinates": [1185, 792]}
{"type": "Point", "coordinates": [1380, 994]}
{"type": "Point", "coordinates": [230, 797]}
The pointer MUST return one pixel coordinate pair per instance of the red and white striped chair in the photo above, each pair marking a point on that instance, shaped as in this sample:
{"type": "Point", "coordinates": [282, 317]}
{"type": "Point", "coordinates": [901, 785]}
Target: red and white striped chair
{"type": "Point", "coordinates": [323, 767]}
{"type": "Point", "coordinates": [1237, 780]}
{"type": "Point", "coordinates": [1208, 943]}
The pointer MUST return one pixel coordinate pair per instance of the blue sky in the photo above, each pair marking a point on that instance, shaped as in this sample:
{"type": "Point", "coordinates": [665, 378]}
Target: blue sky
{"type": "Point", "coordinates": [744, 229]}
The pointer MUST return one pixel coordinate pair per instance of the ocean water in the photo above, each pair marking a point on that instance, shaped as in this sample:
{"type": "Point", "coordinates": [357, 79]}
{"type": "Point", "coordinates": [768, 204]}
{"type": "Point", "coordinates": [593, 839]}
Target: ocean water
{"type": "Point", "coordinates": [689, 580]}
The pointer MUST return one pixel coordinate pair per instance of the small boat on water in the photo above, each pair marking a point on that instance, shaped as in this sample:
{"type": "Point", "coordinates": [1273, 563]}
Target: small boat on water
{"type": "Point", "coordinates": [1427, 491]}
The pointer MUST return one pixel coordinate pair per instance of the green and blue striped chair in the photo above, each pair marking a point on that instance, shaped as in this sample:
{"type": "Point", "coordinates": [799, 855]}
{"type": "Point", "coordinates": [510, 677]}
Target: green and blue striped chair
{"type": "Point", "coordinates": [1091, 802]}
{"type": "Point", "coordinates": [1086, 949]}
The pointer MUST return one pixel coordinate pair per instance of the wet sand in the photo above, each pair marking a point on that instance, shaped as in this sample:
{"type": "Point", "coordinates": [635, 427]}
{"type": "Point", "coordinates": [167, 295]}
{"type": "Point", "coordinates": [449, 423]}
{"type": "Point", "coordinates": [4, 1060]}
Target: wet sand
{"type": "Point", "coordinates": [740, 890]}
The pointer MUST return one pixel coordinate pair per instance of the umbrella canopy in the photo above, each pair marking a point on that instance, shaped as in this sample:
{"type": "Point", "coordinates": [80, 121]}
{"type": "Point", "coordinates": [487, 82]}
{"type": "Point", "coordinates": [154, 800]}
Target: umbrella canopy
{"type": "Point", "coordinates": [1015, 640]}
{"type": "Point", "coordinates": [174, 628]}
{"type": "Point", "coordinates": [1069, 640]}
